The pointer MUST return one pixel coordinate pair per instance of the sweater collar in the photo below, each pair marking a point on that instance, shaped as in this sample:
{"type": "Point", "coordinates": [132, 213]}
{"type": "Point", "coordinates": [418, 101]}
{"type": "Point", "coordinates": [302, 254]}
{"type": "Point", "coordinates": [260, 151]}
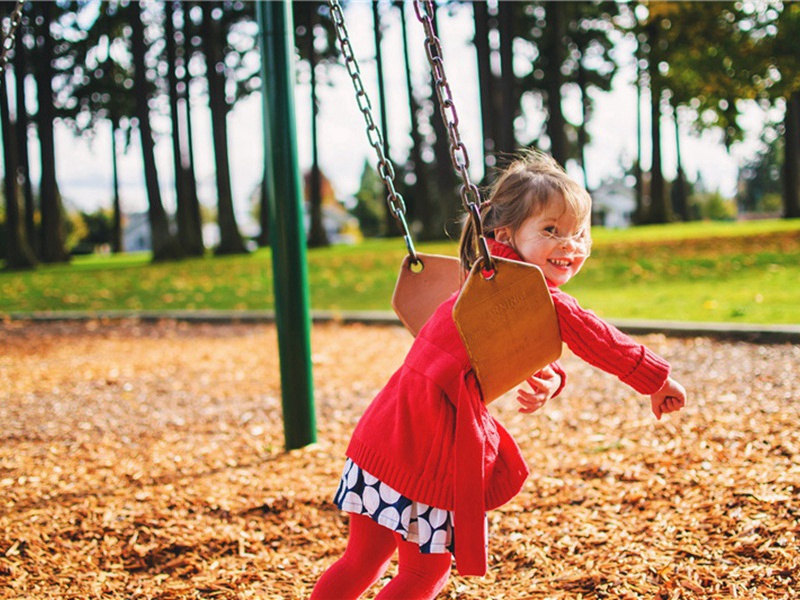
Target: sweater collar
{"type": "Point", "coordinates": [502, 250]}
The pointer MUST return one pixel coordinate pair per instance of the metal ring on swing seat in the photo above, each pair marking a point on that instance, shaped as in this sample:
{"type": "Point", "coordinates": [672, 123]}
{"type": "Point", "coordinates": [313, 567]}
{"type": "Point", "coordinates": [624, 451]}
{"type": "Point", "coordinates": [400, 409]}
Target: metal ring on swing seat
{"type": "Point", "coordinates": [487, 273]}
{"type": "Point", "coordinates": [475, 215]}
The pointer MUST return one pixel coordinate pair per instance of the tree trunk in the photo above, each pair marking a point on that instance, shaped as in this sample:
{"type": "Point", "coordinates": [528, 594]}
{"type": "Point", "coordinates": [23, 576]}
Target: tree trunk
{"type": "Point", "coordinates": [680, 199]}
{"type": "Point", "coordinates": [485, 81]}
{"type": "Point", "coordinates": [391, 226]}
{"type": "Point", "coordinates": [791, 177]}
{"type": "Point", "coordinates": [191, 179]}
{"type": "Point", "coordinates": [556, 54]}
{"type": "Point", "coordinates": [19, 254]}
{"type": "Point", "coordinates": [659, 210]}
{"type": "Point", "coordinates": [505, 108]}
{"type": "Point", "coordinates": [116, 227]}
{"type": "Point", "coordinates": [230, 239]}
{"type": "Point", "coordinates": [377, 36]}
{"type": "Point", "coordinates": [418, 197]}
{"type": "Point", "coordinates": [20, 71]}
{"type": "Point", "coordinates": [165, 245]}
{"type": "Point", "coordinates": [52, 212]}
{"type": "Point", "coordinates": [446, 180]}
{"type": "Point", "coordinates": [641, 207]}
{"type": "Point", "coordinates": [448, 199]}
{"type": "Point", "coordinates": [317, 236]}
{"type": "Point", "coordinates": [583, 136]}
{"type": "Point", "coordinates": [189, 233]}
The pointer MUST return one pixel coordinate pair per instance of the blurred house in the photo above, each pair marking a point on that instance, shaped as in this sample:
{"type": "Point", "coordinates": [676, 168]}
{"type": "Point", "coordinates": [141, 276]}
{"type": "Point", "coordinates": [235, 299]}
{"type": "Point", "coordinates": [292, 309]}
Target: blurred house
{"type": "Point", "coordinates": [613, 204]}
{"type": "Point", "coordinates": [136, 233]}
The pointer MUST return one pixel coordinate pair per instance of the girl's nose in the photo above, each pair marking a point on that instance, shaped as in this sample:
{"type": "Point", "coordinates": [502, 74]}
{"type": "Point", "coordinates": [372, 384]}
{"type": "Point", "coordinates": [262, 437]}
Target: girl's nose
{"type": "Point", "coordinates": [569, 243]}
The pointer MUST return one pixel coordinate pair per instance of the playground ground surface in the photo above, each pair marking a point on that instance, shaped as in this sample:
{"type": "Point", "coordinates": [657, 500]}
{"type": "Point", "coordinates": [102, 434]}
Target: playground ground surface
{"type": "Point", "coordinates": [145, 460]}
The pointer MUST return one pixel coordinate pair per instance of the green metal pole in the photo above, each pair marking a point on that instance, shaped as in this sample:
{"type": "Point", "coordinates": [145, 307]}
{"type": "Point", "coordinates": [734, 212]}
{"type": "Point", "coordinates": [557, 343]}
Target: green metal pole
{"type": "Point", "coordinates": [287, 232]}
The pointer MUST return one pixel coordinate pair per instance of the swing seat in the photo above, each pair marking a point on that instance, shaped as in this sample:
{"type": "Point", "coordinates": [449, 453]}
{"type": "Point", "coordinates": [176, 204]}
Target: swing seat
{"type": "Point", "coordinates": [508, 324]}
{"type": "Point", "coordinates": [507, 321]}
{"type": "Point", "coordinates": [421, 288]}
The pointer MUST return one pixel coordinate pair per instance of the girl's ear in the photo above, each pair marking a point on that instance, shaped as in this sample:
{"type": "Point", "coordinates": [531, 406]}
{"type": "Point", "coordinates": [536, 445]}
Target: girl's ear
{"type": "Point", "coordinates": [503, 234]}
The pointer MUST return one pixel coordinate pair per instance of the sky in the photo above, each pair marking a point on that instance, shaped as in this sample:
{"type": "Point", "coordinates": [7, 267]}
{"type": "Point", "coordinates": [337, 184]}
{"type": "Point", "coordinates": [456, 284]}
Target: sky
{"type": "Point", "coordinates": [84, 167]}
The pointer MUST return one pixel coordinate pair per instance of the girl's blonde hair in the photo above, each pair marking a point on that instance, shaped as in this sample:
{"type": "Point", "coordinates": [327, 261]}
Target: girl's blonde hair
{"type": "Point", "coordinates": [524, 189]}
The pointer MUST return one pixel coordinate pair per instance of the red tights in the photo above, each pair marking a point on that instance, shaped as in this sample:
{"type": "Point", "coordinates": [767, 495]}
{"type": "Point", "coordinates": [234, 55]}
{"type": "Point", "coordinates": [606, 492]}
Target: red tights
{"type": "Point", "coordinates": [369, 549]}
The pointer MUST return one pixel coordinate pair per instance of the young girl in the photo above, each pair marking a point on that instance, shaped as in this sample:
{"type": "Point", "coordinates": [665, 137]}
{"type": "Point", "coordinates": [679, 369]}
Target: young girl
{"type": "Point", "coordinates": [427, 460]}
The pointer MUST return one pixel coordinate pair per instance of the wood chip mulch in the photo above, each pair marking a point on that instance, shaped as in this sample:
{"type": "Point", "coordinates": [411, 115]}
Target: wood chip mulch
{"type": "Point", "coordinates": [146, 461]}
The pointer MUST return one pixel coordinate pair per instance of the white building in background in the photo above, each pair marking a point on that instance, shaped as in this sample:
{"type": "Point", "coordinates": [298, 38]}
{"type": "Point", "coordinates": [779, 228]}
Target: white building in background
{"type": "Point", "coordinates": [613, 204]}
{"type": "Point", "coordinates": [136, 235]}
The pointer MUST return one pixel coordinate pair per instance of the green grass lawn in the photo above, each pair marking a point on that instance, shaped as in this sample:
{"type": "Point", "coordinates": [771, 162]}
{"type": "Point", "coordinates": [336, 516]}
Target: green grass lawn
{"type": "Point", "coordinates": [745, 272]}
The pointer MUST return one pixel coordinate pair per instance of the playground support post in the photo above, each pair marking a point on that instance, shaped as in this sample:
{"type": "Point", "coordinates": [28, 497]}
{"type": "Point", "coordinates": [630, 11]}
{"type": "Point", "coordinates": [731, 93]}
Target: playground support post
{"type": "Point", "coordinates": [287, 232]}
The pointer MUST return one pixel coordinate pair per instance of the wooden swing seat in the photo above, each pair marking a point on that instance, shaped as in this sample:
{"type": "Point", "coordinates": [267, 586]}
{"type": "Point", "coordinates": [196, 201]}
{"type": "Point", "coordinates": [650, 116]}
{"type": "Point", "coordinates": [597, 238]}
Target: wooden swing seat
{"type": "Point", "coordinates": [506, 319]}
{"type": "Point", "coordinates": [421, 288]}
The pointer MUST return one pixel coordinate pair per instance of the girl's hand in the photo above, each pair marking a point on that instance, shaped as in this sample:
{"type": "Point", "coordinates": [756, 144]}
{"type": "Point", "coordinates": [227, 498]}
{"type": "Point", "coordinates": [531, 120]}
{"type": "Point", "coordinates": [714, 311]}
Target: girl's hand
{"type": "Point", "coordinates": [670, 398]}
{"type": "Point", "coordinates": [544, 384]}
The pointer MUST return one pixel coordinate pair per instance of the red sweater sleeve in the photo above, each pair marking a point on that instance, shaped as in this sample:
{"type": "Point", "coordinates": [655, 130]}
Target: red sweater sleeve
{"type": "Point", "coordinates": [606, 347]}
{"type": "Point", "coordinates": [561, 373]}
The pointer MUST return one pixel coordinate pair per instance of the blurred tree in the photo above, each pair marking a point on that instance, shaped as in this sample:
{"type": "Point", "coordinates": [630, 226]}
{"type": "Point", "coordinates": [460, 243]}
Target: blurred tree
{"type": "Point", "coordinates": [16, 241]}
{"type": "Point", "coordinates": [784, 86]}
{"type": "Point", "coordinates": [93, 86]}
{"type": "Point", "coordinates": [391, 228]}
{"type": "Point", "coordinates": [483, 50]}
{"type": "Point", "coordinates": [369, 203]}
{"type": "Point", "coordinates": [190, 229]}
{"type": "Point", "coordinates": [761, 177]}
{"type": "Point", "coordinates": [21, 73]}
{"type": "Point", "coordinates": [445, 211]}
{"type": "Point", "coordinates": [416, 179]}
{"type": "Point", "coordinates": [52, 242]}
{"type": "Point", "coordinates": [506, 99]}
{"type": "Point", "coordinates": [590, 64]}
{"type": "Point", "coordinates": [544, 49]}
{"type": "Point", "coordinates": [308, 28]}
{"type": "Point", "coordinates": [723, 54]}
{"type": "Point", "coordinates": [97, 231]}
{"type": "Point", "coordinates": [713, 206]}
{"type": "Point", "coordinates": [659, 210]}
{"type": "Point", "coordinates": [18, 252]}
{"type": "Point", "coordinates": [214, 37]}
{"type": "Point", "coordinates": [165, 245]}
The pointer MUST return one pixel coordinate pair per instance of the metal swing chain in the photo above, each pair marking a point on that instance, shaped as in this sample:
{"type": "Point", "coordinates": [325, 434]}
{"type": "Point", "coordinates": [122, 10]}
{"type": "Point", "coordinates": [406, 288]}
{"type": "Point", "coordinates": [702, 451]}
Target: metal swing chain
{"type": "Point", "coordinates": [10, 37]}
{"type": "Point", "coordinates": [394, 199]}
{"type": "Point", "coordinates": [470, 194]}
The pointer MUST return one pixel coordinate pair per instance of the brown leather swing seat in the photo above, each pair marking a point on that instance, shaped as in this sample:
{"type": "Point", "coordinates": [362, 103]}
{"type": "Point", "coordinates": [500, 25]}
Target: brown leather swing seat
{"type": "Point", "coordinates": [505, 318]}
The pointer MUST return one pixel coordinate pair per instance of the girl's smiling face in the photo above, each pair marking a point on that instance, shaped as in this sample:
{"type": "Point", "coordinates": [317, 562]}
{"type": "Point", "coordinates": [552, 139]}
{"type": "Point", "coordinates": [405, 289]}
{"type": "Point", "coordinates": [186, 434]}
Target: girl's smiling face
{"type": "Point", "coordinates": [554, 240]}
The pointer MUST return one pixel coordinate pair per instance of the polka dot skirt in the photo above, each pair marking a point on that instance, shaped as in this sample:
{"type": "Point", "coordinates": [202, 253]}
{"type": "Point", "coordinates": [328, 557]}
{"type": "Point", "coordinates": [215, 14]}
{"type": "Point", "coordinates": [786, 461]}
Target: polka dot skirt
{"type": "Point", "coordinates": [363, 494]}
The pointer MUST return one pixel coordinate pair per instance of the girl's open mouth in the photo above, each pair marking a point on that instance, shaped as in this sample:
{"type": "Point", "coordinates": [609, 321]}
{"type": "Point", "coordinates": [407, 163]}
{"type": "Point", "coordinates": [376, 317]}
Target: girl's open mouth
{"type": "Point", "coordinates": [561, 263]}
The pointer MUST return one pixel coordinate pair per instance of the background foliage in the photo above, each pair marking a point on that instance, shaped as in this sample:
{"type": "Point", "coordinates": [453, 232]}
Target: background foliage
{"type": "Point", "coordinates": [738, 272]}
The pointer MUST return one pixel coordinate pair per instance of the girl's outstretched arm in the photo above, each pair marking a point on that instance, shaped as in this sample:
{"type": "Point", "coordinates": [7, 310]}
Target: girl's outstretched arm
{"type": "Point", "coordinates": [670, 398]}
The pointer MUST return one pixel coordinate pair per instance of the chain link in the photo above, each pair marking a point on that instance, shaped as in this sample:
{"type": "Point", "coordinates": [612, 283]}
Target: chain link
{"type": "Point", "coordinates": [10, 37]}
{"type": "Point", "coordinates": [470, 194]}
{"type": "Point", "coordinates": [394, 199]}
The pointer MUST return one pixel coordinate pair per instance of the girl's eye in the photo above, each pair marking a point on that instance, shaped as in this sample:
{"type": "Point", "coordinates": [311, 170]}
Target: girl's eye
{"type": "Point", "coordinates": [550, 230]}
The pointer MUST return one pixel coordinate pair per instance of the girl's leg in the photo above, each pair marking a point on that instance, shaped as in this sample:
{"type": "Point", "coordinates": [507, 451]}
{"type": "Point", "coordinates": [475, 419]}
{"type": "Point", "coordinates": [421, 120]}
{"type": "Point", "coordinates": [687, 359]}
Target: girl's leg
{"type": "Point", "coordinates": [369, 550]}
{"type": "Point", "coordinates": [419, 576]}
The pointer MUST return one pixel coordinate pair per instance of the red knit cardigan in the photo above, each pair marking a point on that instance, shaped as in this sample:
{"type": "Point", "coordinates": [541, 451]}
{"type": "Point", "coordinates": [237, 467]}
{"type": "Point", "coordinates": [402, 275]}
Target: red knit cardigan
{"type": "Point", "coordinates": [428, 434]}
